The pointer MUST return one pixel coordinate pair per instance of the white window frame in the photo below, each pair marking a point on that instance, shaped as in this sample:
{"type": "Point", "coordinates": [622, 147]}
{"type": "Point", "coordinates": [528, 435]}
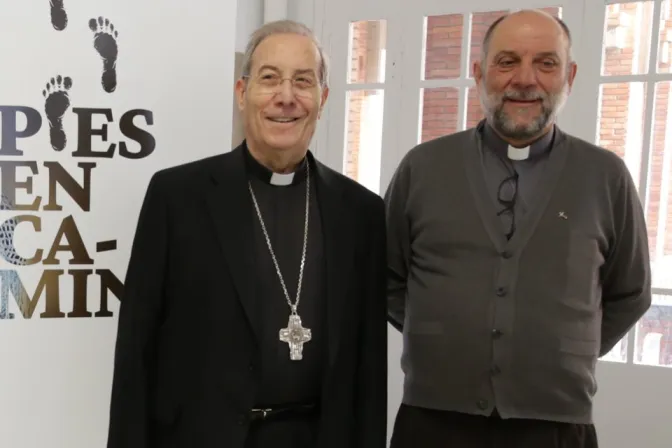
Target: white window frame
{"type": "Point", "coordinates": [590, 71]}
{"type": "Point", "coordinates": [331, 139]}
{"type": "Point", "coordinates": [596, 11]}
{"type": "Point", "coordinates": [404, 80]}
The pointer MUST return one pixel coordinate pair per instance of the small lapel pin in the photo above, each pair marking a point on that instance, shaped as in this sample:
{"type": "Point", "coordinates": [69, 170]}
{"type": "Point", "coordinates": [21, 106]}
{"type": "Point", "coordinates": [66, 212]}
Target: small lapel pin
{"type": "Point", "coordinates": [562, 215]}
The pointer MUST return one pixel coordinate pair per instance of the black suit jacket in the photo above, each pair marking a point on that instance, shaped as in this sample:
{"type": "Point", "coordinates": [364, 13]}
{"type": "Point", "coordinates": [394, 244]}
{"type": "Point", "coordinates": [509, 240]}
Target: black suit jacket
{"type": "Point", "coordinates": [187, 342]}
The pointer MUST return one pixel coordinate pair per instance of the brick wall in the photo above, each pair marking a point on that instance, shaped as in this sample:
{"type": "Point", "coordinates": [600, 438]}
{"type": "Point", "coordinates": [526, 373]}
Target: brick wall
{"type": "Point", "coordinates": [358, 64]}
{"type": "Point", "coordinates": [442, 60]}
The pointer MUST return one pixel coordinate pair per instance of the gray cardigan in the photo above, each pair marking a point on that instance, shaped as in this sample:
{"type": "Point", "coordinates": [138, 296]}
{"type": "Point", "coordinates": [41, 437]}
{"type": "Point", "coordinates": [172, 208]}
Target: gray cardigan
{"type": "Point", "coordinates": [514, 325]}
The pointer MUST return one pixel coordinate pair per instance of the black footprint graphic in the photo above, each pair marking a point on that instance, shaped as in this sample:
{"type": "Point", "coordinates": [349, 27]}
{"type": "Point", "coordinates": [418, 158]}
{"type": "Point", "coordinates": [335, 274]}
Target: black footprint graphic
{"type": "Point", "coordinates": [105, 43]}
{"type": "Point", "coordinates": [55, 106]}
{"type": "Point", "coordinates": [59, 18]}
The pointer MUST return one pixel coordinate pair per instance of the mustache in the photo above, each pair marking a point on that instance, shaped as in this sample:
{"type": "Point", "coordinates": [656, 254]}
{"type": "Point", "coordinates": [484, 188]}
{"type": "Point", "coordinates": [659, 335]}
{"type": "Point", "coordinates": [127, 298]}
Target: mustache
{"type": "Point", "coordinates": [522, 95]}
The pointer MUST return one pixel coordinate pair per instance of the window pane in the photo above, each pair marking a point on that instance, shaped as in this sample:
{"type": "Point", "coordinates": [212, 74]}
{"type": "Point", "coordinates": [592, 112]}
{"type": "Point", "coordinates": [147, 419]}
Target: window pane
{"type": "Point", "coordinates": [364, 131]}
{"type": "Point", "coordinates": [439, 112]}
{"type": "Point", "coordinates": [627, 38]}
{"type": "Point", "coordinates": [619, 353]}
{"type": "Point", "coordinates": [654, 334]}
{"type": "Point", "coordinates": [480, 22]}
{"type": "Point", "coordinates": [621, 122]}
{"type": "Point", "coordinates": [474, 109]}
{"type": "Point", "coordinates": [367, 51]}
{"type": "Point", "coordinates": [665, 38]}
{"type": "Point", "coordinates": [443, 46]}
{"type": "Point", "coordinates": [659, 194]}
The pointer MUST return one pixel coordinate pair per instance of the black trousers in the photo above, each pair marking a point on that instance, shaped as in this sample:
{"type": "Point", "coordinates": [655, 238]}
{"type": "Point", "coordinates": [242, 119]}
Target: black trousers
{"type": "Point", "coordinates": [425, 428]}
{"type": "Point", "coordinates": [294, 432]}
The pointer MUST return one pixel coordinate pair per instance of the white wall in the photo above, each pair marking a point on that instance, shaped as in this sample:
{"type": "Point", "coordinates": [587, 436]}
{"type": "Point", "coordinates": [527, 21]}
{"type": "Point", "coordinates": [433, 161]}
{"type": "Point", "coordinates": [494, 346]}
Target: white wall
{"type": "Point", "coordinates": [250, 16]}
{"type": "Point", "coordinates": [302, 11]}
{"type": "Point", "coordinates": [56, 358]}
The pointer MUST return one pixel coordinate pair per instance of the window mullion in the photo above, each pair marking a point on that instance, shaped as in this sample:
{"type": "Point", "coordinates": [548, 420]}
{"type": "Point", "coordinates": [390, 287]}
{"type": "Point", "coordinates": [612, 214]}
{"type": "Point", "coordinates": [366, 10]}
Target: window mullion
{"type": "Point", "coordinates": [650, 102]}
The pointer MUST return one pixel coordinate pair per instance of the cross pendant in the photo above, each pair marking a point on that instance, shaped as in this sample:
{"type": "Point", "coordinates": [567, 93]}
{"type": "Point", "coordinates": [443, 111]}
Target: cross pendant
{"type": "Point", "coordinates": [295, 335]}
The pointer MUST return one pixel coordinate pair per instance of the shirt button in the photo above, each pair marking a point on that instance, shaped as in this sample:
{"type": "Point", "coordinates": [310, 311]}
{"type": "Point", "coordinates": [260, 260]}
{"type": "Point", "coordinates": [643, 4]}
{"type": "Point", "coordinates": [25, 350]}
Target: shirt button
{"type": "Point", "coordinates": [506, 254]}
{"type": "Point", "coordinates": [496, 334]}
{"type": "Point", "coordinates": [501, 291]}
{"type": "Point", "coordinates": [482, 404]}
{"type": "Point", "coordinates": [495, 370]}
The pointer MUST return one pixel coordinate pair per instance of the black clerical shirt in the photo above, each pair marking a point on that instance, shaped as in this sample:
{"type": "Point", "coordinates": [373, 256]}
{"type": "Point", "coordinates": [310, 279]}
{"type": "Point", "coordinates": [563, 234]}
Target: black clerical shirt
{"type": "Point", "coordinates": [497, 167]}
{"type": "Point", "coordinates": [283, 381]}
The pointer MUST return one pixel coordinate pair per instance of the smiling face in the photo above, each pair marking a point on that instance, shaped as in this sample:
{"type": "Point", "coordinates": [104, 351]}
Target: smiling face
{"type": "Point", "coordinates": [526, 77]}
{"type": "Point", "coordinates": [282, 99]}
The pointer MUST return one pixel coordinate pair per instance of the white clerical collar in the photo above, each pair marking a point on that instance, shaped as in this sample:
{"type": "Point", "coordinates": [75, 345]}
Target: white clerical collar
{"type": "Point", "coordinates": [282, 179]}
{"type": "Point", "coordinates": [495, 143]}
{"type": "Point", "coordinates": [518, 153]}
{"type": "Point", "coordinates": [276, 179]}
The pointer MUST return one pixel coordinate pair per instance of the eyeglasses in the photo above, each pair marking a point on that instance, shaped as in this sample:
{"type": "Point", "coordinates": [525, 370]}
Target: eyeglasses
{"type": "Point", "coordinates": [270, 83]}
{"type": "Point", "coordinates": [507, 193]}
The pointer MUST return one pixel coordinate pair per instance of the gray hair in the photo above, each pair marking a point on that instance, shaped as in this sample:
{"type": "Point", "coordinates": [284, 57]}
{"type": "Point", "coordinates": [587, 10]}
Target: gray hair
{"type": "Point", "coordinates": [284, 27]}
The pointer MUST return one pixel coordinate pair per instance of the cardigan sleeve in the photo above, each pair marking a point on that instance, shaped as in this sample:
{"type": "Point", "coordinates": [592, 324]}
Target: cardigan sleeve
{"type": "Point", "coordinates": [398, 243]}
{"type": "Point", "coordinates": [626, 287]}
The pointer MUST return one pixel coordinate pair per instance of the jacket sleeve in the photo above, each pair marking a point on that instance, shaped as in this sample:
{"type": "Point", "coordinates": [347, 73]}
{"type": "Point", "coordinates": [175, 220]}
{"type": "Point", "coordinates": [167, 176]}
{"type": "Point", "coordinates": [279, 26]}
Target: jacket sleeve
{"type": "Point", "coordinates": [371, 394]}
{"type": "Point", "coordinates": [398, 244]}
{"type": "Point", "coordinates": [626, 286]}
{"type": "Point", "coordinates": [138, 321]}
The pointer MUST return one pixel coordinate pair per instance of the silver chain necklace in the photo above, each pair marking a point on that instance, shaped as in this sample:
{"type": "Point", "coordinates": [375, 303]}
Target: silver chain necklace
{"type": "Point", "coordinates": [295, 335]}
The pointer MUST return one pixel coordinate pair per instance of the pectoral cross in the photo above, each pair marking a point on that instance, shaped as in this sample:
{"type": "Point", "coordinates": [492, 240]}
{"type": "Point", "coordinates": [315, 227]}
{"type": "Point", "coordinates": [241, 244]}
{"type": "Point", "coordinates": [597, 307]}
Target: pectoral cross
{"type": "Point", "coordinates": [295, 335]}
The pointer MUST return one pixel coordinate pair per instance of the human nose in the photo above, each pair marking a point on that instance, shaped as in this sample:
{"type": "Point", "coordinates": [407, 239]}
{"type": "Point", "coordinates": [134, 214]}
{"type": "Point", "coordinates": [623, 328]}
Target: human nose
{"type": "Point", "coordinates": [525, 76]}
{"type": "Point", "coordinates": [286, 89]}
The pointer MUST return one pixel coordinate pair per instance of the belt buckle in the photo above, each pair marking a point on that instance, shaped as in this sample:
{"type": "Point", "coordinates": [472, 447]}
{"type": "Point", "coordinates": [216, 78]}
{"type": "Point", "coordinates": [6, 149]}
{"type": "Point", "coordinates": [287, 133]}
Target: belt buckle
{"type": "Point", "coordinates": [264, 412]}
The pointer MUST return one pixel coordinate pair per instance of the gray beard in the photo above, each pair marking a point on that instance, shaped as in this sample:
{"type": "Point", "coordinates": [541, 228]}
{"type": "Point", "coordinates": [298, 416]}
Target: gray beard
{"type": "Point", "coordinates": [493, 106]}
{"type": "Point", "coordinates": [507, 127]}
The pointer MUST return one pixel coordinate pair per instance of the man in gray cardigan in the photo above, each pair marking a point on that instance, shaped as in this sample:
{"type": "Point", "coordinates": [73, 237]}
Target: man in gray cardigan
{"type": "Point", "coordinates": [518, 255]}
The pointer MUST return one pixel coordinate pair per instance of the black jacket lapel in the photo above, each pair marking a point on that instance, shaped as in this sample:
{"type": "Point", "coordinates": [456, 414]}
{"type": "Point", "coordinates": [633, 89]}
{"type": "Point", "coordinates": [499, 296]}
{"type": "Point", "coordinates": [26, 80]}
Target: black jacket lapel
{"type": "Point", "coordinates": [231, 209]}
{"type": "Point", "coordinates": [232, 212]}
{"type": "Point", "coordinates": [339, 240]}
